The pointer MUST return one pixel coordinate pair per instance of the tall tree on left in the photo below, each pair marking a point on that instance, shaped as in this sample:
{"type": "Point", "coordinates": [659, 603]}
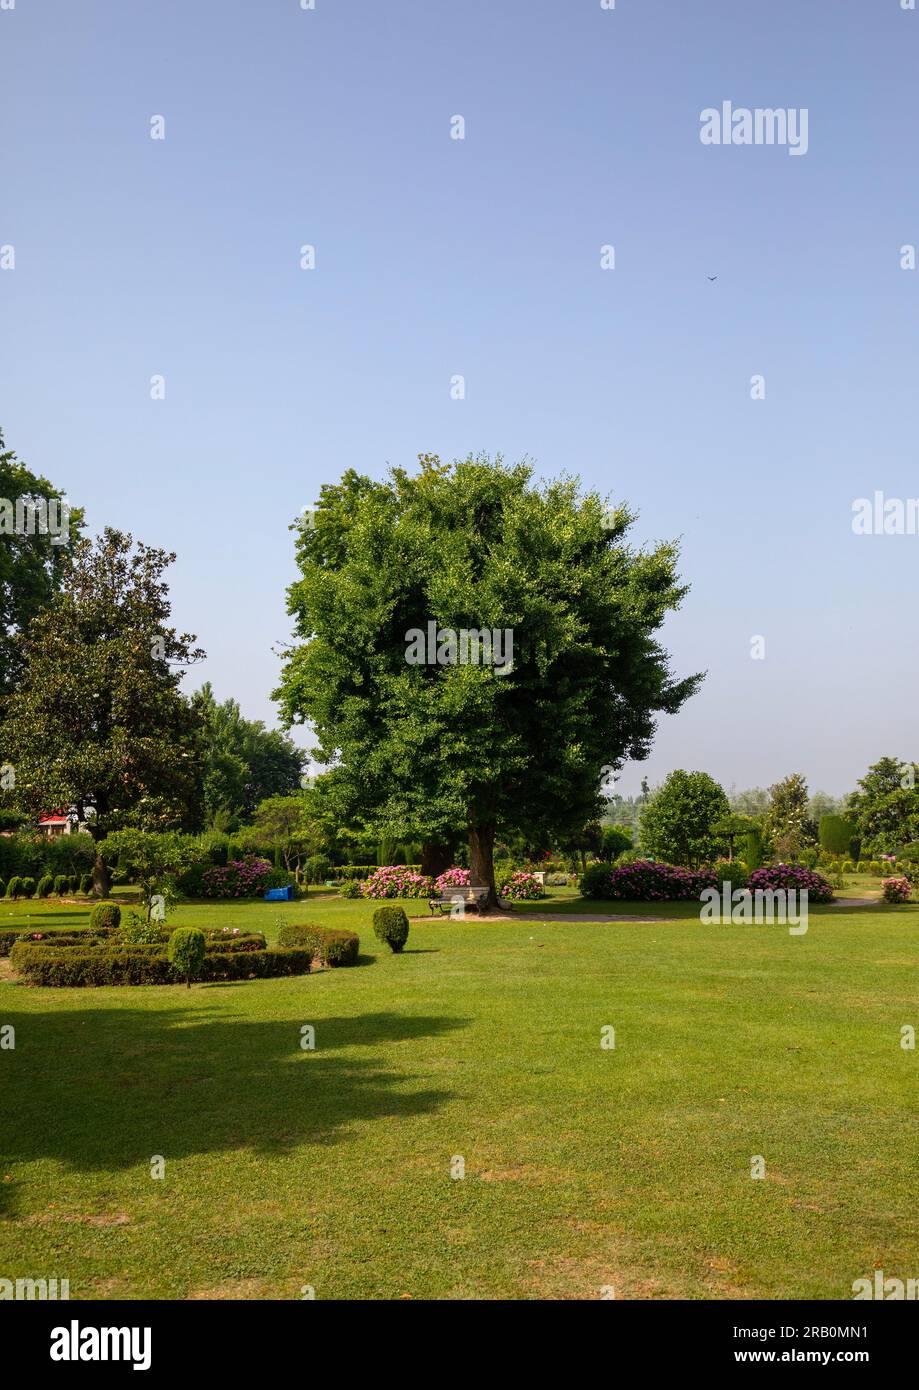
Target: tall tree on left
{"type": "Point", "coordinates": [98, 721]}
{"type": "Point", "coordinates": [32, 559]}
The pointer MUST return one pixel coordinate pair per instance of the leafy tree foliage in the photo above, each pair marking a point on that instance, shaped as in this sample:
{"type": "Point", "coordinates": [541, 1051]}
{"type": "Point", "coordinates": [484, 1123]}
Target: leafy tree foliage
{"type": "Point", "coordinates": [154, 858]}
{"type": "Point", "coordinates": [429, 749]}
{"type": "Point", "coordinates": [244, 763]}
{"type": "Point", "coordinates": [885, 806]}
{"type": "Point", "coordinates": [98, 722]}
{"type": "Point", "coordinates": [31, 566]}
{"type": "Point", "coordinates": [290, 822]}
{"type": "Point", "coordinates": [788, 824]}
{"type": "Point", "coordinates": [678, 823]}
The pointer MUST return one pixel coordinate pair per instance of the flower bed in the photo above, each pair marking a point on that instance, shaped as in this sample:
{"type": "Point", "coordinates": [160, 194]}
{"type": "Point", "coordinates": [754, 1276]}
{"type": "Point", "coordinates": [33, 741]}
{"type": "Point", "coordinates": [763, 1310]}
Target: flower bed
{"type": "Point", "coordinates": [452, 878]}
{"type": "Point", "coordinates": [774, 877]}
{"type": "Point", "coordinates": [645, 880]}
{"type": "Point", "coordinates": [522, 887]}
{"type": "Point", "coordinates": [396, 881]}
{"type": "Point", "coordinates": [241, 878]}
{"type": "Point", "coordinates": [896, 890]}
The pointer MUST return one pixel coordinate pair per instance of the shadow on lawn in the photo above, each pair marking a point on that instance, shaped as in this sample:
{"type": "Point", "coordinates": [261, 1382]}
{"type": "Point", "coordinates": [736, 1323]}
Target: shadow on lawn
{"type": "Point", "coordinates": [109, 1088]}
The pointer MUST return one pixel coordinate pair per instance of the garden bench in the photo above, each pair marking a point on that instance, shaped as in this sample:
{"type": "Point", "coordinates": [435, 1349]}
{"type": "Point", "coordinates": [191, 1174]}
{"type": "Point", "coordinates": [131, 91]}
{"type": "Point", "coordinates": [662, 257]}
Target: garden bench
{"type": "Point", "coordinates": [469, 897]}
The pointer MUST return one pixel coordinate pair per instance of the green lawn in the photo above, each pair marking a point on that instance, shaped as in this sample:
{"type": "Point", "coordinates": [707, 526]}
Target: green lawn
{"type": "Point", "coordinates": [584, 1167]}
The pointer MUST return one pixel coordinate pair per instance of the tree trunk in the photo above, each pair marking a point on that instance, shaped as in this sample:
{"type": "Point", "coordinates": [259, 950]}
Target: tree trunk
{"type": "Point", "coordinates": [482, 862]}
{"type": "Point", "coordinates": [102, 879]}
{"type": "Point", "coordinates": [436, 858]}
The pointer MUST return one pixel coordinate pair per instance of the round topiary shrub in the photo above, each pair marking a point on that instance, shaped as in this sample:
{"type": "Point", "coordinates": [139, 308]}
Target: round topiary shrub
{"type": "Point", "coordinates": [390, 924]}
{"type": "Point", "coordinates": [60, 884]}
{"type": "Point", "coordinates": [14, 887]}
{"type": "Point", "coordinates": [86, 883]}
{"type": "Point", "coordinates": [351, 888]}
{"type": "Point", "coordinates": [45, 884]}
{"type": "Point", "coordinates": [105, 915]}
{"type": "Point", "coordinates": [28, 887]}
{"type": "Point", "coordinates": [186, 952]}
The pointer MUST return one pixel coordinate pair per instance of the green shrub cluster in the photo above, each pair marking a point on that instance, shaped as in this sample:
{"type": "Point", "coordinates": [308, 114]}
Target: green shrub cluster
{"type": "Point", "coordinates": [332, 946]}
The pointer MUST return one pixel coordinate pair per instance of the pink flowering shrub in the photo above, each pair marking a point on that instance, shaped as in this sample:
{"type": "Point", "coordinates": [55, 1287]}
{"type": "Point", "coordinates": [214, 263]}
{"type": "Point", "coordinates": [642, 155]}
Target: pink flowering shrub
{"type": "Point", "coordinates": [896, 890]}
{"type": "Point", "coordinates": [644, 880]}
{"type": "Point", "coordinates": [396, 881]}
{"type": "Point", "coordinates": [452, 878]}
{"type": "Point", "coordinates": [241, 878]}
{"type": "Point", "coordinates": [522, 886]}
{"type": "Point", "coordinates": [791, 876]}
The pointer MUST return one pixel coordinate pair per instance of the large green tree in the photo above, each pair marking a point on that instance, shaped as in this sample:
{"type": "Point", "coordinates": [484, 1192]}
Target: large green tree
{"type": "Point", "coordinates": [483, 746]}
{"type": "Point", "coordinates": [885, 806]}
{"type": "Point", "coordinates": [788, 824]}
{"type": "Point", "coordinates": [31, 561]}
{"type": "Point", "coordinates": [244, 763]}
{"type": "Point", "coordinates": [680, 824]}
{"type": "Point", "coordinates": [98, 721]}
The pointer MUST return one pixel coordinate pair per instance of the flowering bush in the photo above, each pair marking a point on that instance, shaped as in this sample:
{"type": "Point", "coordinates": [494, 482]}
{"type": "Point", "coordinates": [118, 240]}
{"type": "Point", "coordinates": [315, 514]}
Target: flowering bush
{"type": "Point", "coordinates": [396, 881]}
{"type": "Point", "coordinates": [241, 878]}
{"type": "Point", "coordinates": [896, 890]}
{"type": "Point", "coordinates": [522, 886]}
{"type": "Point", "coordinates": [775, 876]}
{"type": "Point", "coordinates": [452, 878]}
{"type": "Point", "coordinates": [645, 880]}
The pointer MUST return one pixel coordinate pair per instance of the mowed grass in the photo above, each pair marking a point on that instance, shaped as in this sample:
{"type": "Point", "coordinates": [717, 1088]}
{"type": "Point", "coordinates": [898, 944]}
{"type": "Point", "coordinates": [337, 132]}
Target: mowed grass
{"type": "Point", "coordinates": [584, 1167]}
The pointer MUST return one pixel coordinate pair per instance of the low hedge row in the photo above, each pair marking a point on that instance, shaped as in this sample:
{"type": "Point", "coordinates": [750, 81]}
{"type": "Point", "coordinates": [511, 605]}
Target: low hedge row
{"type": "Point", "coordinates": [333, 945]}
{"type": "Point", "coordinates": [44, 965]}
{"type": "Point", "coordinates": [50, 936]}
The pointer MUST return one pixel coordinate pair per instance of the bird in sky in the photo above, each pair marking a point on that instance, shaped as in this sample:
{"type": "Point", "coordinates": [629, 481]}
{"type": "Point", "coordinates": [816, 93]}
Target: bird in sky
{"type": "Point", "coordinates": [713, 277]}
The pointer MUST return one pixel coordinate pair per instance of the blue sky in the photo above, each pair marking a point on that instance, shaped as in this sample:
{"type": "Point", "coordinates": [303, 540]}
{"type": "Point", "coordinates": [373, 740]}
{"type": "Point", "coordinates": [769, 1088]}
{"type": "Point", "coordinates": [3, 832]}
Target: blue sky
{"type": "Point", "coordinates": [481, 257]}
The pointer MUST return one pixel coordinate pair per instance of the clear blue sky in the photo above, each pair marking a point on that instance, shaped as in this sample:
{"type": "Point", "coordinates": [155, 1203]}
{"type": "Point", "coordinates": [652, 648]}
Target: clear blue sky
{"type": "Point", "coordinates": [481, 257]}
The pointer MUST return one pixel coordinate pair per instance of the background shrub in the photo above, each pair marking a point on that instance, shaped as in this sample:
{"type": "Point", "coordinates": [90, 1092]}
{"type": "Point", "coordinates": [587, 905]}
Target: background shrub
{"type": "Point", "coordinates": [45, 884]}
{"type": "Point", "coordinates": [105, 914]}
{"type": "Point", "coordinates": [28, 887]}
{"type": "Point", "coordinates": [351, 889]}
{"type": "Point", "coordinates": [86, 883]}
{"type": "Point", "coordinates": [732, 871]}
{"type": "Point", "coordinates": [60, 884]}
{"type": "Point", "coordinates": [317, 869]}
{"type": "Point", "coordinates": [522, 887]}
{"type": "Point", "coordinates": [14, 887]}
{"type": "Point", "coordinates": [390, 924]}
{"type": "Point", "coordinates": [596, 881]}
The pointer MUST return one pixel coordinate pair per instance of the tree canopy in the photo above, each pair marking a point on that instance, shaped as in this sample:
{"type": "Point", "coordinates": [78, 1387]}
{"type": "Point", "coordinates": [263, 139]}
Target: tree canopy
{"type": "Point", "coordinates": [244, 763]}
{"type": "Point", "coordinates": [31, 562]}
{"type": "Point", "coordinates": [678, 825]}
{"type": "Point", "coordinates": [477, 746]}
{"type": "Point", "coordinates": [98, 721]}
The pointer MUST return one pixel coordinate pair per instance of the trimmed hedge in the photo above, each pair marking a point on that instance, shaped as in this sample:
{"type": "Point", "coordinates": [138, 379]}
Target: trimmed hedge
{"type": "Point", "coordinates": [333, 946]}
{"type": "Point", "coordinates": [44, 965]}
{"type": "Point", "coordinates": [45, 884]}
{"type": "Point", "coordinates": [86, 883]}
{"type": "Point", "coordinates": [50, 936]}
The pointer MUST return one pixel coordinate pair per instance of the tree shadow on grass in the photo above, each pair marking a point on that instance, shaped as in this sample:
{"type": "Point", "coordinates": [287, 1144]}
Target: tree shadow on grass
{"type": "Point", "coordinates": [98, 1089]}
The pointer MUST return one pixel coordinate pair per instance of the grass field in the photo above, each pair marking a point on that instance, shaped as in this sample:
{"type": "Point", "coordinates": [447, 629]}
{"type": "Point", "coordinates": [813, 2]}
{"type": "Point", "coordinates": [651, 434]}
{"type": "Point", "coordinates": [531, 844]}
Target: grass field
{"type": "Point", "coordinates": [584, 1167]}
